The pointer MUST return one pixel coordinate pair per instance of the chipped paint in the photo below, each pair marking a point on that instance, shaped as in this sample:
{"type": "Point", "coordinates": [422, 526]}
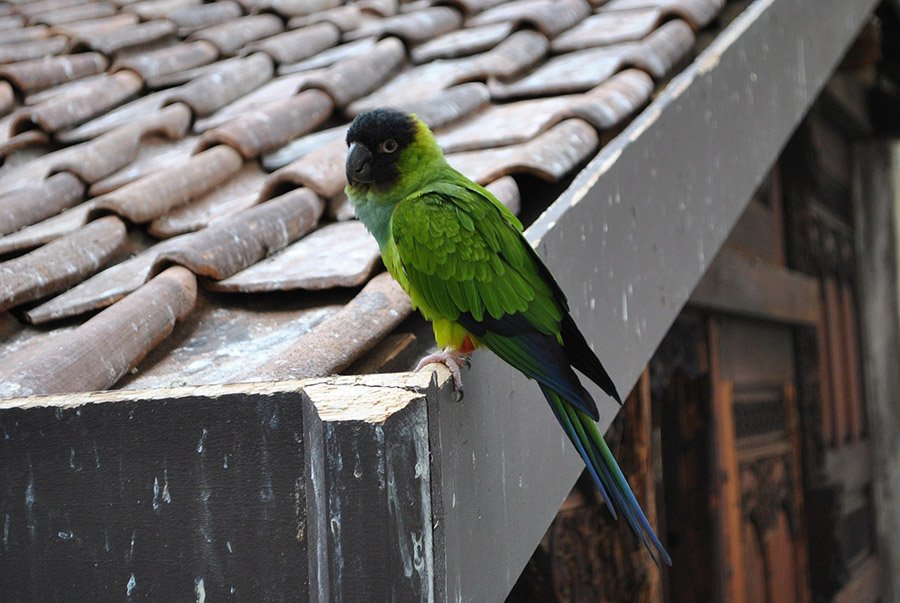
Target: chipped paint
{"type": "Point", "coordinates": [155, 501]}
{"type": "Point", "coordinates": [166, 495]}
{"type": "Point", "coordinates": [711, 57]}
{"type": "Point", "coordinates": [201, 441]}
{"type": "Point", "coordinates": [643, 123]}
{"type": "Point", "coordinates": [336, 463]}
{"type": "Point", "coordinates": [200, 589]}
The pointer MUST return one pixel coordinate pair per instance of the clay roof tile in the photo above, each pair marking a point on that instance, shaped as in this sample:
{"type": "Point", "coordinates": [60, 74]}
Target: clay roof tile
{"type": "Point", "coordinates": [216, 89]}
{"type": "Point", "coordinates": [230, 36]}
{"type": "Point", "coordinates": [351, 78]}
{"type": "Point", "coordinates": [151, 196]}
{"type": "Point", "coordinates": [296, 45]}
{"type": "Point", "coordinates": [549, 156]}
{"type": "Point", "coordinates": [413, 27]}
{"type": "Point", "coordinates": [171, 136]}
{"type": "Point", "coordinates": [168, 60]}
{"type": "Point", "coordinates": [60, 264]}
{"type": "Point", "coordinates": [39, 74]}
{"type": "Point", "coordinates": [272, 125]}
{"type": "Point", "coordinates": [198, 16]}
{"type": "Point", "coordinates": [17, 35]}
{"type": "Point", "coordinates": [311, 263]}
{"type": "Point", "coordinates": [96, 159]}
{"type": "Point", "coordinates": [550, 17]}
{"type": "Point", "coordinates": [67, 110]}
{"type": "Point", "coordinates": [37, 202]}
{"type": "Point", "coordinates": [71, 14]}
{"type": "Point", "coordinates": [33, 49]}
{"type": "Point", "coordinates": [96, 354]}
{"type": "Point", "coordinates": [32, 9]}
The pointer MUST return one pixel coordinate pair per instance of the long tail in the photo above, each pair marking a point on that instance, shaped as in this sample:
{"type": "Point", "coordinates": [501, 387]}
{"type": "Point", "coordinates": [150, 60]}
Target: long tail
{"type": "Point", "coordinates": [588, 440]}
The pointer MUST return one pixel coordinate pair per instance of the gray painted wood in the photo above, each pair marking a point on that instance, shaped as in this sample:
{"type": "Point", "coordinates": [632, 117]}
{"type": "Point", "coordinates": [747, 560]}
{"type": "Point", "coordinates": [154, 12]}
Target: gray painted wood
{"type": "Point", "coordinates": [628, 241]}
{"type": "Point", "coordinates": [876, 203]}
{"type": "Point", "coordinates": [374, 488]}
{"type": "Point", "coordinates": [162, 499]}
{"type": "Point", "coordinates": [312, 490]}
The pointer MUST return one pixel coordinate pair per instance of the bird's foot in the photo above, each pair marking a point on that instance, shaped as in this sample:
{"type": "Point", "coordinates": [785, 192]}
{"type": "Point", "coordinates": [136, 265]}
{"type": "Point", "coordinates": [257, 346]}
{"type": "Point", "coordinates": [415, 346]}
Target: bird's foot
{"type": "Point", "coordinates": [452, 359]}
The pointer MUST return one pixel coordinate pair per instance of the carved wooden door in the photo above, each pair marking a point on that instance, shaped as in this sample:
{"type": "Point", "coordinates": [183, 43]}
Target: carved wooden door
{"type": "Point", "coordinates": [757, 481]}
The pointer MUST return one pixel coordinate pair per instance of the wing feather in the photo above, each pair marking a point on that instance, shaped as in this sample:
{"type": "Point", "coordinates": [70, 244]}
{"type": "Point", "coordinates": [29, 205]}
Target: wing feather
{"type": "Point", "coordinates": [466, 260]}
{"type": "Point", "coordinates": [464, 253]}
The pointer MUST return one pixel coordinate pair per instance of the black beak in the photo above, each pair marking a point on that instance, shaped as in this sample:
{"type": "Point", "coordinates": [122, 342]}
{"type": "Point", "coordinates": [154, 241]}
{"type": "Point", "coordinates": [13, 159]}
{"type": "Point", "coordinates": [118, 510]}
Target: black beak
{"type": "Point", "coordinates": [359, 165]}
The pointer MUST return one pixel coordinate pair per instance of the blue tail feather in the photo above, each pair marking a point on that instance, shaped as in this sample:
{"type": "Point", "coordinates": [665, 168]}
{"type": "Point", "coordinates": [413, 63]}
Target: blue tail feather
{"type": "Point", "coordinates": [608, 477]}
{"type": "Point", "coordinates": [559, 409]}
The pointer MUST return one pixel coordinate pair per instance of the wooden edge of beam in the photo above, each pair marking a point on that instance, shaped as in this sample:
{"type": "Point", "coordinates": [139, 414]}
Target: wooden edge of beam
{"type": "Point", "coordinates": [370, 398]}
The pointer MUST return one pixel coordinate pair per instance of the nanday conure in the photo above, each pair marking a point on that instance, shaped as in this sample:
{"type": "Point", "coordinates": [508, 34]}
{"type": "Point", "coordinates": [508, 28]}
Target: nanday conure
{"type": "Point", "coordinates": [460, 255]}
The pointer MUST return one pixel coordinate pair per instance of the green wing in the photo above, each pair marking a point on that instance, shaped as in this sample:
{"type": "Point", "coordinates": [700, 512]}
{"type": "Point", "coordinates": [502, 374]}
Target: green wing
{"type": "Point", "coordinates": [462, 252]}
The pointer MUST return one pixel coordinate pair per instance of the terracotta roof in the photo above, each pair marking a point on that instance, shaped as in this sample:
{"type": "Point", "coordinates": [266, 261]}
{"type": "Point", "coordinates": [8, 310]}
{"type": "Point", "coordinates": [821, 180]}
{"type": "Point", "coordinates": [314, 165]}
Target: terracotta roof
{"type": "Point", "coordinates": [171, 205]}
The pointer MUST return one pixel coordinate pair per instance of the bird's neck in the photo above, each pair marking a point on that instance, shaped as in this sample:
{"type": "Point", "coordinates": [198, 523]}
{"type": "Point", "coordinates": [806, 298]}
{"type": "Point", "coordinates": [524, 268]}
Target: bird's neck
{"type": "Point", "coordinates": [376, 217]}
{"type": "Point", "coordinates": [374, 207]}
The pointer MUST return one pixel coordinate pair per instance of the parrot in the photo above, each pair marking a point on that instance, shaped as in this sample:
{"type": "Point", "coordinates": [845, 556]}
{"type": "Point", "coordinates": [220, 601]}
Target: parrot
{"type": "Point", "coordinates": [462, 258]}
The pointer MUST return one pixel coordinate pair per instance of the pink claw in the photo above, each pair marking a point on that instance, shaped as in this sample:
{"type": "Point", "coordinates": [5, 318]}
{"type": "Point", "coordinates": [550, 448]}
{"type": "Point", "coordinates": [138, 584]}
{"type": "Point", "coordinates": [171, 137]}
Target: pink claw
{"type": "Point", "coordinates": [449, 358]}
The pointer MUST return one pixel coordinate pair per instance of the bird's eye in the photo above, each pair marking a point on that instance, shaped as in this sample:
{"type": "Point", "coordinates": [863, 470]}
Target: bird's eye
{"type": "Point", "coordinates": [389, 145]}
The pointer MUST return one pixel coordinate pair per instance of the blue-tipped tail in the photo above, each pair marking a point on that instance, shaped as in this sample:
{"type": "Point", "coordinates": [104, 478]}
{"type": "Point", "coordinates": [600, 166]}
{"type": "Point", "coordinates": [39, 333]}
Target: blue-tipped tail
{"type": "Point", "coordinates": [604, 470]}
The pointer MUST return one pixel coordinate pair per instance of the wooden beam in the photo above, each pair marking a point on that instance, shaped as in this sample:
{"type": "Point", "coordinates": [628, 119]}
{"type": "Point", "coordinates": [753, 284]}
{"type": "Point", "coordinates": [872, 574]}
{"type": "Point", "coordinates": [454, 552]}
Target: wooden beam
{"type": "Point", "coordinates": [876, 205]}
{"type": "Point", "coordinates": [643, 425]}
{"type": "Point", "coordinates": [726, 503]}
{"type": "Point", "coordinates": [156, 496]}
{"type": "Point", "coordinates": [851, 364]}
{"type": "Point", "coordinates": [836, 350]}
{"type": "Point", "coordinates": [316, 490]}
{"type": "Point", "coordinates": [738, 284]}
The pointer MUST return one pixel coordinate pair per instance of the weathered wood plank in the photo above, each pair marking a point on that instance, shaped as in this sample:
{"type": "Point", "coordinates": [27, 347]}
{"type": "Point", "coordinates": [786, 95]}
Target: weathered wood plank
{"type": "Point", "coordinates": [375, 491]}
{"type": "Point", "coordinates": [299, 490]}
{"type": "Point", "coordinates": [737, 284]}
{"type": "Point", "coordinates": [165, 498]}
{"type": "Point", "coordinates": [876, 190]}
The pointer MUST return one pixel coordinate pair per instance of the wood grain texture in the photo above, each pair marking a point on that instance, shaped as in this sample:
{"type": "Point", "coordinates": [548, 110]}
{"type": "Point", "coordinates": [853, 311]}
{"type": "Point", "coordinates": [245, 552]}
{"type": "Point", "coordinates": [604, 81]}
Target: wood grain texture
{"type": "Point", "coordinates": [877, 229]}
{"type": "Point", "coordinates": [155, 499]}
{"type": "Point", "coordinates": [730, 573]}
{"type": "Point", "coordinates": [740, 285]}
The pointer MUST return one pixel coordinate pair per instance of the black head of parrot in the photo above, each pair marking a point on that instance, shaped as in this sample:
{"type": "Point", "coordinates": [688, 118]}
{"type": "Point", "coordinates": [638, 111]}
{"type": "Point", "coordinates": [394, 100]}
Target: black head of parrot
{"type": "Point", "coordinates": [377, 139]}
